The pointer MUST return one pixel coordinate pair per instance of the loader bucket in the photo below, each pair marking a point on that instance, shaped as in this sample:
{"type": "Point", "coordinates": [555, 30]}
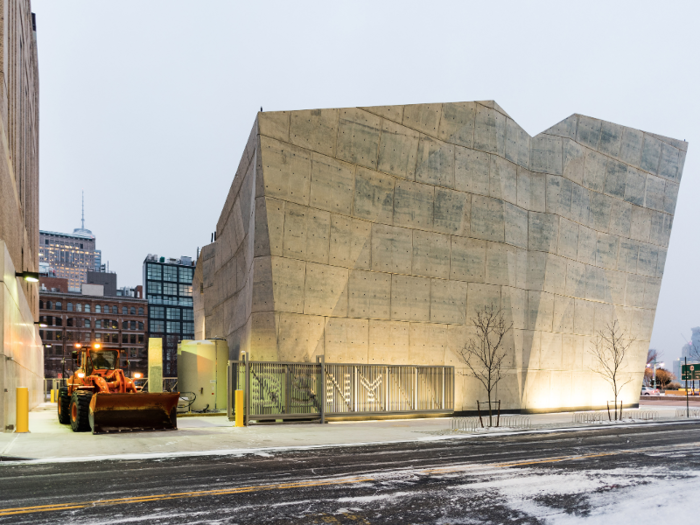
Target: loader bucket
{"type": "Point", "coordinates": [133, 412]}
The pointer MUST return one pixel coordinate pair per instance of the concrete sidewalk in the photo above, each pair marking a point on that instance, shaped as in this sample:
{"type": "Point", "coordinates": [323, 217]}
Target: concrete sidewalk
{"type": "Point", "coordinates": [49, 440]}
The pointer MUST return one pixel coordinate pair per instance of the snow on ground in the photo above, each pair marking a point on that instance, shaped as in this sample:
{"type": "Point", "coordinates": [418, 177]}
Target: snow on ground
{"type": "Point", "coordinates": [562, 496]}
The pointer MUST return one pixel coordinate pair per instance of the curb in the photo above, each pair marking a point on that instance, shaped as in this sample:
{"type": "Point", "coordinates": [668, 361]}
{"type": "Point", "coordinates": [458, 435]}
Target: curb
{"type": "Point", "coordinates": [268, 451]}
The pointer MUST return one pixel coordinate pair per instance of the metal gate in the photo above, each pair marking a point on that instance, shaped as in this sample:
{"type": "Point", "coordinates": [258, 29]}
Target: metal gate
{"type": "Point", "coordinates": [276, 391]}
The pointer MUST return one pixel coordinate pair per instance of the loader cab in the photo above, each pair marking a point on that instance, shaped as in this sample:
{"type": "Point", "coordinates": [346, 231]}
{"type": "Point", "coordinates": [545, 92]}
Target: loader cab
{"type": "Point", "coordinates": [96, 359]}
{"type": "Point", "coordinates": [100, 360]}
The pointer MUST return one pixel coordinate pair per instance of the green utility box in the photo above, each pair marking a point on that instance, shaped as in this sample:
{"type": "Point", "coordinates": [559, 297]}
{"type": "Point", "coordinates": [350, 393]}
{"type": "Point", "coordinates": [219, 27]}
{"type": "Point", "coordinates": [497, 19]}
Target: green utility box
{"type": "Point", "coordinates": [202, 368]}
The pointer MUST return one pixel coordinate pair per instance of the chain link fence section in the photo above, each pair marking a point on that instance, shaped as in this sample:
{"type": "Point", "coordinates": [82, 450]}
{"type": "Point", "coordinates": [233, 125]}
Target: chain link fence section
{"type": "Point", "coordinates": [472, 424]}
{"type": "Point", "coordinates": [683, 413]}
{"type": "Point", "coordinates": [640, 415]}
{"type": "Point", "coordinates": [589, 417]}
{"type": "Point", "coordinates": [583, 418]}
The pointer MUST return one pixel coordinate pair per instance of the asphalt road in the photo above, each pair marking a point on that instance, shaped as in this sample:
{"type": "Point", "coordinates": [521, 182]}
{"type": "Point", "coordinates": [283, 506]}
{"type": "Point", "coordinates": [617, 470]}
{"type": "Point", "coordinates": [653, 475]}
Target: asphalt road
{"type": "Point", "coordinates": [449, 481]}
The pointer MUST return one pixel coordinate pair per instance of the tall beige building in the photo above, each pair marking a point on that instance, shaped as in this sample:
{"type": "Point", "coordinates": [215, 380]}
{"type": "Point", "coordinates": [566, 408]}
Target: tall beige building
{"type": "Point", "coordinates": [21, 352]}
{"type": "Point", "coordinates": [373, 235]}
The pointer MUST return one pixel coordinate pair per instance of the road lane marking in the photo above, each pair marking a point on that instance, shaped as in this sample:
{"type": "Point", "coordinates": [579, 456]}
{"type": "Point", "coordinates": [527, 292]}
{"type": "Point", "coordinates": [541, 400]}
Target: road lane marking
{"type": "Point", "coordinates": [178, 495]}
{"type": "Point", "coordinates": [305, 484]}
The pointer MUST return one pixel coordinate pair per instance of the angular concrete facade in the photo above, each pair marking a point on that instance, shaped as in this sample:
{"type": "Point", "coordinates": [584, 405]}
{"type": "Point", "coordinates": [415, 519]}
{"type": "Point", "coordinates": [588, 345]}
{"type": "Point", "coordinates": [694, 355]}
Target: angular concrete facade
{"type": "Point", "coordinates": [371, 235]}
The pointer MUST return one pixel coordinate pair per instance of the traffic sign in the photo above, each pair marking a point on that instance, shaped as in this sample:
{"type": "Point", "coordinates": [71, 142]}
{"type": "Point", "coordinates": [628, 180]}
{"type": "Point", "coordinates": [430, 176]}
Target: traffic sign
{"type": "Point", "coordinates": [690, 372]}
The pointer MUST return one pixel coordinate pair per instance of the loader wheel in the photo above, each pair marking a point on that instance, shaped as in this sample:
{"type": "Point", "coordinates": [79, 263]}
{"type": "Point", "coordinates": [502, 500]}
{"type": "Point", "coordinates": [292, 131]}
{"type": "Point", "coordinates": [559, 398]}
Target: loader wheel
{"type": "Point", "coordinates": [79, 411]}
{"type": "Point", "coordinates": [63, 406]}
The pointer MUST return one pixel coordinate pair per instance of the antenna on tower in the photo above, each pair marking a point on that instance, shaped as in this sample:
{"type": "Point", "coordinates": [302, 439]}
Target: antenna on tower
{"type": "Point", "coordinates": [82, 220]}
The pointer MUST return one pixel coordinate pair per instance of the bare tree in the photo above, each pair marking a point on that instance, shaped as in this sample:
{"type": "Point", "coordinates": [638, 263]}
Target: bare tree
{"type": "Point", "coordinates": [484, 353]}
{"type": "Point", "coordinates": [610, 347]}
{"type": "Point", "coordinates": [694, 351]}
{"type": "Point", "coordinates": [653, 356]}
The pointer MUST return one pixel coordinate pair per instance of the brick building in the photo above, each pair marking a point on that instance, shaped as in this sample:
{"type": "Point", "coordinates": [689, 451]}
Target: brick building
{"type": "Point", "coordinates": [114, 321]}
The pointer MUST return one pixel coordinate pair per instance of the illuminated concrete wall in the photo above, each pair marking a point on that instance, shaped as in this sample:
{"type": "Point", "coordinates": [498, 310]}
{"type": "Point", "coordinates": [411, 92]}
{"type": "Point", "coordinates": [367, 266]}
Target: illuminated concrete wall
{"type": "Point", "coordinates": [21, 352]}
{"type": "Point", "coordinates": [22, 356]}
{"type": "Point", "coordinates": [372, 235]}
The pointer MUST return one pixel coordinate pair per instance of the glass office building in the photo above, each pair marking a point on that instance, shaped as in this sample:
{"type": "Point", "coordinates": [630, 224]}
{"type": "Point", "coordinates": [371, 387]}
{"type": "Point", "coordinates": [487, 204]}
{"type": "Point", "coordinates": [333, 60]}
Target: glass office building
{"type": "Point", "coordinates": [168, 289]}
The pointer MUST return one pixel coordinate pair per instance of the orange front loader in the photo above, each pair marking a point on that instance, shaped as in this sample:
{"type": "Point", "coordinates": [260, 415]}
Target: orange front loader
{"type": "Point", "coordinates": [99, 397]}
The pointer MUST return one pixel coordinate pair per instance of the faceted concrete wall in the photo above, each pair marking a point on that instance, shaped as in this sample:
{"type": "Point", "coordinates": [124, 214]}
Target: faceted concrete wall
{"type": "Point", "coordinates": [372, 235]}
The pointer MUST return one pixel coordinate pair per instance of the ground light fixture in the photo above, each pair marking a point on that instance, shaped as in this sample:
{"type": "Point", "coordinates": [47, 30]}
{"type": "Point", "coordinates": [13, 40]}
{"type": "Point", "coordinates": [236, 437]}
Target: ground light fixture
{"type": "Point", "coordinates": [78, 345]}
{"type": "Point", "coordinates": [137, 375]}
{"type": "Point", "coordinates": [30, 277]}
{"type": "Point", "coordinates": [41, 325]}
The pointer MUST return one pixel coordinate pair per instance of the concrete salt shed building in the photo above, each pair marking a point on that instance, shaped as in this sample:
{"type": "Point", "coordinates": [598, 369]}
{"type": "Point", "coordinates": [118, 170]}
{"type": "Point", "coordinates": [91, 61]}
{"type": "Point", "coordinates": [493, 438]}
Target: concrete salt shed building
{"type": "Point", "coordinates": [371, 235]}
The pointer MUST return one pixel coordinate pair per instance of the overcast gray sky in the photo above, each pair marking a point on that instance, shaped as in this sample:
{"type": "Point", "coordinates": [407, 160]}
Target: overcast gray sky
{"type": "Point", "coordinates": [146, 105]}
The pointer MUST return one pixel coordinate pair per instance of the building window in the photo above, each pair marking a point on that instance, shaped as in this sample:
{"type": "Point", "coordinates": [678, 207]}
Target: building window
{"type": "Point", "coordinates": [173, 327]}
{"type": "Point", "coordinates": [87, 323]}
{"type": "Point", "coordinates": [41, 305]}
{"type": "Point", "coordinates": [132, 325]}
{"type": "Point", "coordinates": [153, 271]}
{"type": "Point", "coordinates": [140, 325]}
{"type": "Point", "coordinates": [186, 290]}
{"type": "Point", "coordinates": [132, 311]}
{"type": "Point", "coordinates": [169, 289]}
{"type": "Point", "coordinates": [140, 311]}
{"type": "Point", "coordinates": [69, 307]}
{"type": "Point", "coordinates": [114, 310]}
{"type": "Point", "coordinates": [59, 321]}
{"type": "Point", "coordinates": [157, 327]}
{"type": "Point", "coordinates": [48, 305]}
{"type": "Point", "coordinates": [186, 275]}
{"type": "Point", "coordinates": [86, 338]}
{"type": "Point", "coordinates": [69, 321]}
{"type": "Point", "coordinates": [115, 338]}
{"type": "Point", "coordinates": [98, 309]}
{"type": "Point", "coordinates": [98, 337]}
{"type": "Point", "coordinates": [157, 312]}
{"type": "Point", "coordinates": [87, 308]}
{"type": "Point", "coordinates": [141, 338]}
{"type": "Point", "coordinates": [188, 315]}
{"type": "Point", "coordinates": [174, 313]}
{"type": "Point", "coordinates": [132, 339]}
{"type": "Point", "coordinates": [170, 274]}
{"type": "Point", "coordinates": [188, 328]}
{"type": "Point", "coordinates": [98, 324]}
{"type": "Point", "coordinates": [125, 338]}
{"type": "Point", "coordinates": [154, 287]}
{"type": "Point", "coordinates": [125, 325]}
{"type": "Point", "coordinates": [125, 310]}
{"type": "Point", "coordinates": [78, 307]}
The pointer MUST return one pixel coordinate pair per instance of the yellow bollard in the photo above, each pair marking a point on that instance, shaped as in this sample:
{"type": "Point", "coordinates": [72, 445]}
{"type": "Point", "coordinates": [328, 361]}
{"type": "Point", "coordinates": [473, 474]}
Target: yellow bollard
{"type": "Point", "coordinates": [239, 408]}
{"type": "Point", "coordinates": [52, 396]}
{"type": "Point", "coordinates": [22, 409]}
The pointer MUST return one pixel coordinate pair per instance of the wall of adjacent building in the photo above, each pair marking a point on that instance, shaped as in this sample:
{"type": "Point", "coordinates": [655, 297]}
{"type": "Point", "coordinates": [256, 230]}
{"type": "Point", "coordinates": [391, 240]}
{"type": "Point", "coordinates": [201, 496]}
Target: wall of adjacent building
{"type": "Point", "coordinates": [373, 235]}
{"type": "Point", "coordinates": [21, 358]}
{"type": "Point", "coordinates": [21, 355]}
